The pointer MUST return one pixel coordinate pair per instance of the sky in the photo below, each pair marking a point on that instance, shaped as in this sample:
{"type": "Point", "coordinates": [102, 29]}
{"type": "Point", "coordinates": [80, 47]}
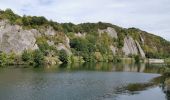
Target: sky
{"type": "Point", "coordinates": [149, 15]}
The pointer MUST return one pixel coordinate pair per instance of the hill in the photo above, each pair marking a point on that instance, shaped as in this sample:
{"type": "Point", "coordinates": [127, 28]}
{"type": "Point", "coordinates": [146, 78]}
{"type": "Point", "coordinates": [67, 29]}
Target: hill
{"type": "Point", "coordinates": [67, 42]}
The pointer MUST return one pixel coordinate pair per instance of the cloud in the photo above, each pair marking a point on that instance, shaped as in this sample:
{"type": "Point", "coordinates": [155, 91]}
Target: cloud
{"type": "Point", "coordinates": [151, 15]}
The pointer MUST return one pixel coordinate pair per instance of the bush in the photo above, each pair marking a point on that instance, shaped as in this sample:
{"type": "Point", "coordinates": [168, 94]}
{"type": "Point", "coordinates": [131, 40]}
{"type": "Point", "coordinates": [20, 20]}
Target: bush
{"type": "Point", "coordinates": [63, 56]}
{"type": "Point", "coordinates": [137, 58]}
{"type": "Point", "coordinates": [38, 58]}
{"type": "Point", "coordinates": [98, 57]}
{"type": "Point", "coordinates": [11, 58]}
{"type": "Point", "coordinates": [27, 56]}
{"type": "Point", "coordinates": [88, 57]}
{"type": "Point", "coordinates": [81, 44]}
{"type": "Point", "coordinates": [3, 59]}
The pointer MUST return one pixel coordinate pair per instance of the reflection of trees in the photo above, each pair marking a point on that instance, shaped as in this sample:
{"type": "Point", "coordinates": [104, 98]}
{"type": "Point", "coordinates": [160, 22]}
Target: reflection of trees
{"type": "Point", "coordinates": [164, 88]}
{"type": "Point", "coordinates": [123, 67]}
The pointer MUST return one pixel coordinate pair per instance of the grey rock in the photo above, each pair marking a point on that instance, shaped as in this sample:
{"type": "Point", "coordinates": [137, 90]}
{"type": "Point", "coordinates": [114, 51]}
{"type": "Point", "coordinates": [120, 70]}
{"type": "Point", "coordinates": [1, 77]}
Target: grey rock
{"type": "Point", "coordinates": [14, 38]}
{"type": "Point", "coordinates": [142, 40]}
{"type": "Point", "coordinates": [80, 34]}
{"type": "Point", "coordinates": [50, 43]}
{"type": "Point", "coordinates": [129, 47]}
{"type": "Point", "coordinates": [61, 46]}
{"type": "Point", "coordinates": [132, 47]}
{"type": "Point", "coordinates": [142, 53]}
{"type": "Point", "coordinates": [50, 31]}
{"type": "Point", "coordinates": [110, 31]}
{"type": "Point", "coordinates": [67, 41]}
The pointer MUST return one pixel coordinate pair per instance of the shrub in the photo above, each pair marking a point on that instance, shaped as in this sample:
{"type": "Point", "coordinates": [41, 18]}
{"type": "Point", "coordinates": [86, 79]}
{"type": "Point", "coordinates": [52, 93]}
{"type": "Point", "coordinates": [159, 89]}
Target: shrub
{"type": "Point", "coordinates": [137, 58]}
{"type": "Point", "coordinates": [11, 58]}
{"type": "Point", "coordinates": [38, 57]}
{"type": "Point", "coordinates": [27, 56]}
{"type": "Point", "coordinates": [3, 59]}
{"type": "Point", "coordinates": [98, 56]}
{"type": "Point", "coordinates": [63, 56]}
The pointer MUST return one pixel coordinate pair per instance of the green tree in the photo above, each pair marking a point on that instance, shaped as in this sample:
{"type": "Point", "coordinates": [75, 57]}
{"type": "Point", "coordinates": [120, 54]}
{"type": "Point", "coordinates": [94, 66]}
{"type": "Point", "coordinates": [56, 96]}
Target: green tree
{"type": "Point", "coordinates": [137, 58]}
{"type": "Point", "coordinates": [63, 56]}
{"type": "Point", "coordinates": [3, 59]}
{"type": "Point", "coordinates": [11, 58]}
{"type": "Point", "coordinates": [38, 57]}
{"type": "Point", "coordinates": [27, 56]}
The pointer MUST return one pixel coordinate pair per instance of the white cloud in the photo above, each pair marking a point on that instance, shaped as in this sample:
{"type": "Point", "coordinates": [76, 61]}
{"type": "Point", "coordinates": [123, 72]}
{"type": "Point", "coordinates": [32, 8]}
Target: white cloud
{"type": "Point", "coordinates": [150, 15]}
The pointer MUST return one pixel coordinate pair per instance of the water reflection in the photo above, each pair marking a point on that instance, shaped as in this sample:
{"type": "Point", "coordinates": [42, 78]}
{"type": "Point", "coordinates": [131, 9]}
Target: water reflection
{"type": "Point", "coordinates": [114, 67]}
{"type": "Point", "coordinates": [88, 81]}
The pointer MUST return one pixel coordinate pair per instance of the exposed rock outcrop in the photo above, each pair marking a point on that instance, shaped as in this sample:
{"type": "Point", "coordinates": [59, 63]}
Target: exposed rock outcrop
{"type": "Point", "coordinates": [142, 53]}
{"type": "Point", "coordinates": [80, 34]}
{"type": "Point", "coordinates": [110, 31]}
{"type": "Point", "coordinates": [67, 41]}
{"type": "Point", "coordinates": [132, 47]}
{"type": "Point", "coordinates": [14, 38]}
{"type": "Point", "coordinates": [61, 46]}
{"type": "Point", "coordinates": [129, 47]}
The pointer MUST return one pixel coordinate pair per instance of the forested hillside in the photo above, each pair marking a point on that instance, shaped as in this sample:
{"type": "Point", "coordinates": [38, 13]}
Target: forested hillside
{"type": "Point", "coordinates": [35, 39]}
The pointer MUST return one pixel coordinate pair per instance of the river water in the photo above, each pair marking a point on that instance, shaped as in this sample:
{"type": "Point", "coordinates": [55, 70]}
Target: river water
{"type": "Point", "coordinates": [101, 81]}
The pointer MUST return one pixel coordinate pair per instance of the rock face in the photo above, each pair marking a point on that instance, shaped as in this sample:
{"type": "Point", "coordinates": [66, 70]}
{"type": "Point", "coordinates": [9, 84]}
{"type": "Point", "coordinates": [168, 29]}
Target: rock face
{"type": "Point", "coordinates": [14, 38]}
{"type": "Point", "coordinates": [110, 31]}
{"type": "Point", "coordinates": [61, 46]}
{"type": "Point", "coordinates": [67, 41]}
{"type": "Point", "coordinates": [129, 47]}
{"type": "Point", "coordinates": [80, 34]}
{"type": "Point", "coordinates": [50, 31]}
{"type": "Point", "coordinates": [132, 47]}
{"type": "Point", "coordinates": [142, 53]}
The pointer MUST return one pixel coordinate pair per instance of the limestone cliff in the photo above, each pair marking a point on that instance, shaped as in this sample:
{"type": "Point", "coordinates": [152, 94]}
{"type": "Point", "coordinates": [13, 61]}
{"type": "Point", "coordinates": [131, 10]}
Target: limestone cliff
{"type": "Point", "coordinates": [132, 47]}
{"type": "Point", "coordinates": [14, 38]}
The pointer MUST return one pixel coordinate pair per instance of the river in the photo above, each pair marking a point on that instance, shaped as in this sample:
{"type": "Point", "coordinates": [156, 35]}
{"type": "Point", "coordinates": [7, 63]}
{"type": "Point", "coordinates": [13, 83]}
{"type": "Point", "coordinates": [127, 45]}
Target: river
{"type": "Point", "coordinates": [101, 81]}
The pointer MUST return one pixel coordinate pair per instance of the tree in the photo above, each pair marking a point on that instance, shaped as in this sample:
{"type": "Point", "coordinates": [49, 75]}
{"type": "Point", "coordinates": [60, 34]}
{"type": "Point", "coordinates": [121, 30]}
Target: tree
{"type": "Point", "coordinates": [63, 56]}
{"type": "Point", "coordinates": [38, 57]}
{"type": "Point", "coordinates": [27, 56]}
{"type": "Point", "coordinates": [137, 58]}
{"type": "Point", "coordinates": [81, 44]}
{"type": "Point", "coordinates": [3, 59]}
{"type": "Point", "coordinates": [25, 20]}
{"type": "Point", "coordinates": [11, 58]}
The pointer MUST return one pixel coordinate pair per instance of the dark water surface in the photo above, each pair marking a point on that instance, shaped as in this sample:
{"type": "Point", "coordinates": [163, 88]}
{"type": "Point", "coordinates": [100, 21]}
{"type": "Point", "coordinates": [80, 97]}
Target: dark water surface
{"type": "Point", "coordinates": [79, 82]}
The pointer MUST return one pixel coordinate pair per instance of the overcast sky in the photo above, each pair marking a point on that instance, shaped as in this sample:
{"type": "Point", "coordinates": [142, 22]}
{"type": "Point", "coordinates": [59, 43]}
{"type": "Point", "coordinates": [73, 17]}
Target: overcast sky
{"type": "Point", "coordinates": [149, 15]}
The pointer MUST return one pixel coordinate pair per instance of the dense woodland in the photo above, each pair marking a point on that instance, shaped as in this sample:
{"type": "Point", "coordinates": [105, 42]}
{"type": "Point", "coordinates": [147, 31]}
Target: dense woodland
{"type": "Point", "coordinates": [91, 48]}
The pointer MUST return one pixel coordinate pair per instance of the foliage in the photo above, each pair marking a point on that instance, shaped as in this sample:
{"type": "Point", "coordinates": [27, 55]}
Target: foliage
{"type": "Point", "coordinates": [92, 47]}
{"type": "Point", "coordinates": [38, 57]}
{"type": "Point", "coordinates": [3, 59]}
{"type": "Point", "coordinates": [9, 14]}
{"type": "Point", "coordinates": [137, 59]}
{"type": "Point", "coordinates": [7, 59]}
{"type": "Point", "coordinates": [42, 44]}
{"type": "Point", "coordinates": [27, 56]}
{"type": "Point", "coordinates": [63, 56]}
{"type": "Point", "coordinates": [98, 56]}
{"type": "Point", "coordinates": [11, 58]}
{"type": "Point", "coordinates": [81, 44]}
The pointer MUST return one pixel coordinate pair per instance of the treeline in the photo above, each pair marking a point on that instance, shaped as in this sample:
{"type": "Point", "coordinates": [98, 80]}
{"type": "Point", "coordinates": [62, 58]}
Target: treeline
{"type": "Point", "coordinates": [33, 21]}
